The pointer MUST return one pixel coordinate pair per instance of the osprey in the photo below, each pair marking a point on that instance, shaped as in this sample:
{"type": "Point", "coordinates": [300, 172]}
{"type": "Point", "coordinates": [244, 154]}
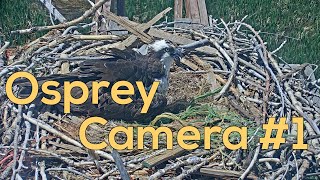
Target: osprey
{"type": "Point", "coordinates": [149, 63]}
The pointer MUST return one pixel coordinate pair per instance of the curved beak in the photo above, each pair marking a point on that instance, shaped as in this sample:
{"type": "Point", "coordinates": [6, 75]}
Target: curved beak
{"type": "Point", "coordinates": [178, 54]}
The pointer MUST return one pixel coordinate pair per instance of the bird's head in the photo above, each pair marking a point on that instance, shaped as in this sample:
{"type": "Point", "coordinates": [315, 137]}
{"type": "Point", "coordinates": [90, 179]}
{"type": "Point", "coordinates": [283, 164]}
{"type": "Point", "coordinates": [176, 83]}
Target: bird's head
{"type": "Point", "coordinates": [167, 53]}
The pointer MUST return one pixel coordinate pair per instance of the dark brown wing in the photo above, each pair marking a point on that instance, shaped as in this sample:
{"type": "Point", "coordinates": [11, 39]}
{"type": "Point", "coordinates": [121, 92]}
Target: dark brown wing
{"type": "Point", "coordinates": [145, 69]}
{"type": "Point", "coordinates": [138, 70]}
{"type": "Point", "coordinates": [110, 110]}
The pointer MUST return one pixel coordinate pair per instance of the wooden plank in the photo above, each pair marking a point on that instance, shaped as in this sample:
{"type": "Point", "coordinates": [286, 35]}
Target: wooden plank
{"type": "Point", "coordinates": [220, 173]}
{"type": "Point", "coordinates": [188, 8]}
{"type": "Point", "coordinates": [142, 28]}
{"type": "Point", "coordinates": [224, 173]}
{"type": "Point", "coordinates": [203, 12]}
{"type": "Point", "coordinates": [165, 156]}
{"type": "Point", "coordinates": [128, 26]}
{"type": "Point", "coordinates": [178, 9]}
{"type": "Point", "coordinates": [194, 9]}
{"type": "Point", "coordinates": [52, 10]}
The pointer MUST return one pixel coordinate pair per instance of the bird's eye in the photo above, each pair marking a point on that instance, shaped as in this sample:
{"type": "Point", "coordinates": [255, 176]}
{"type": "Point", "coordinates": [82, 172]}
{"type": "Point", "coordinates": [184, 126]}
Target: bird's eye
{"type": "Point", "coordinates": [167, 50]}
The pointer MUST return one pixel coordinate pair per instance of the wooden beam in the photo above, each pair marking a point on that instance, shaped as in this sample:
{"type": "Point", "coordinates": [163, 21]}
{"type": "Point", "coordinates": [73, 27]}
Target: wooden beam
{"type": "Point", "coordinates": [143, 27]}
{"type": "Point", "coordinates": [54, 11]}
{"type": "Point", "coordinates": [178, 9]}
{"type": "Point", "coordinates": [221, 174]}
{"type": "Point", "coordinates": [188, 8]}
{"type": "Point", "coordinates": [194, 10]}
{"type": "Point", "coordinates": [128, 26]}
{"type": "Point", "coordinates": [165, 156]}
{"type": "Point", "coordinates": [203, 12]}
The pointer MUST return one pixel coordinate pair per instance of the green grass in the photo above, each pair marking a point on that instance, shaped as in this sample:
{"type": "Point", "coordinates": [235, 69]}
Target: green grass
{"type": "Point", "coordinates": [296, 21]}
{"type": "Point", "coordinates": [21, 14]}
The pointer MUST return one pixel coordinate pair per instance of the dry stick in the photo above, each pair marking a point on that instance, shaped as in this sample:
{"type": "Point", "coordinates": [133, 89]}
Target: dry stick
{"type": "Point", "coordinates": [4, 47]}
{"type": "Point", "coordinates": [281, 45]}
{"type": "Point", "coordinates": [266, 55]}
{"type": "Point", "coordinates": [217, 46]}
{"type": "Point", "coordinates": [10, 68]}
{"type": "Point", "coordinates": [119, 163]}
{"type": "Point", "coordinates": [128, 25]}
{"type": "Point", "coordinates": [63, 136]}
{"type": "Point", "coordinates": [64, 159]}
{"type": "Point", "coordinates": [276, 160]}
{"type": "Point", "coordinates": [298, 108]}
{"type": "Point", "coordinates": [104, 176]}
{"type": "Point", "coordinates": [5, 173]}
{"type": "Point", "coordinates": [24, 145]}
{"type": "Point", "coordinates": [291, 73]}
{"type": "Point", "coordinates": [70, 170]}
{"type": "Point", "coordinates": [15, 142]}
{"type": "Point", "coordinates": [93, 37]}
{"type": "Point", "coordinates": [37, 139]}
{"type": "Point", "coordinates": [63, 25]}
{"type": "Point", "coordinates": [196, 167]}
{"type": "Point", "coordinates": [265, 61]}
{"type": "Point", "coordinates": [235, 64]}
{"type": "Point", "coordinates": [253, 161]}
{"type": "Point", "coordinates": [282, 95]}
{"type": "Point", "coordinates": [26, 139]}
{"type": "Point", "coordinates": [143, 27]}
{"type": "Point", "coordinates": [161, 172]}
{"type": "Point", "coordinates": [43, 146]}
{"type": "Point", "coordinates": [42, 170]}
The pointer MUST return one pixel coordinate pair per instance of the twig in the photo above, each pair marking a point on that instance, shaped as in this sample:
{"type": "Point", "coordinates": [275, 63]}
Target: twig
{"type": "Point", "coordinates": [252, 163]}
{"type": "Point", "coordinates": [63, 136]}
{"type": "Point", "coordinates": [15, 141]}
{"type": "Point", "coordinates": [4, 47]}
{"type": "Point", "coordinates": [70, 170]}
{"type": "Point", "coordinates": [196, 167]}
{"type": "Point", "coordinates": [117, 159]}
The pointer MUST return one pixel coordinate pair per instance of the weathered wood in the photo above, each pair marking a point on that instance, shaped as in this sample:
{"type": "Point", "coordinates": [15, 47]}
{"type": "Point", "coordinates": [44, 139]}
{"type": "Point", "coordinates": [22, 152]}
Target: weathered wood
{"type": "Point", "coordinates": [181, 41]}
{"type": "Point", "coordinates": [220, 173]}
{"type": "Point", "coordinates": [188, 8]}
{"type": "Point", "coordinates": [190, 64]}
{"type": "Point", "coordinates": [142, 28]}
{"type": "Point", "coordinates": [203, 12]}
{"type": "Point", "coordinates": [119, 163]}
{"type": "Point", "coordinates": [165, 156]}
{"type": "Point", "coordinates": [194, 9]}
{"type": "Point", "coordinates": [178, 9]}
{"type": "Point", "coordinates": [53, 10]}
{"type": "Point", "coordinates": [127, 25]}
